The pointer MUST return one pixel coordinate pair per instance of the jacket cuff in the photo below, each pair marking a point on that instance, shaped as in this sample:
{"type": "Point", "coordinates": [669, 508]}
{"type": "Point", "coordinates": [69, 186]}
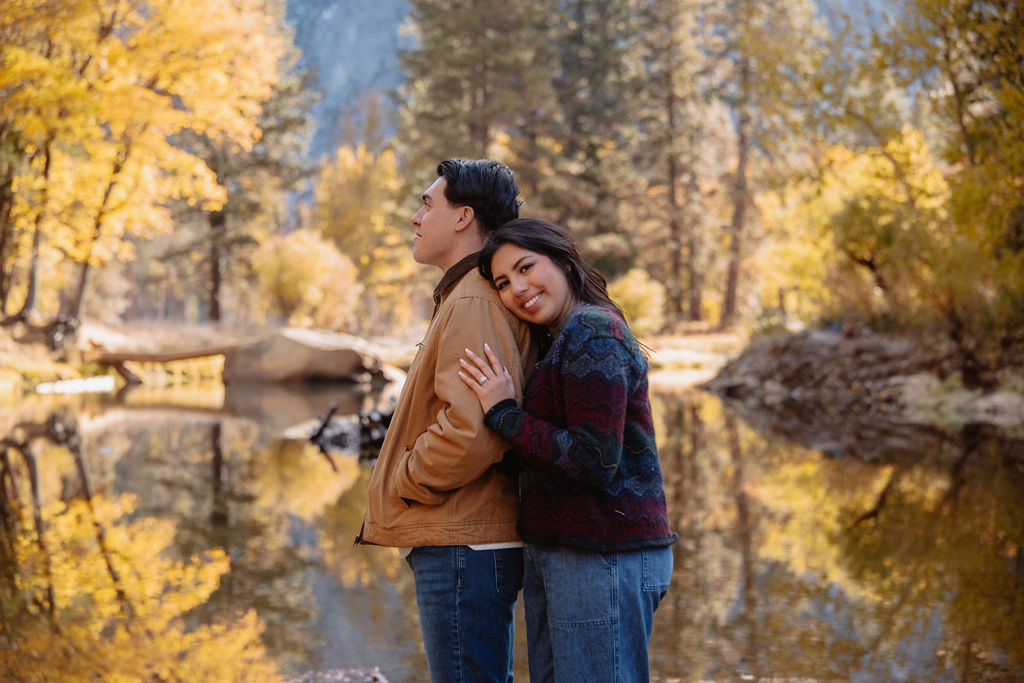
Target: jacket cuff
{"type": "Point", "coordinates": [493, 417]}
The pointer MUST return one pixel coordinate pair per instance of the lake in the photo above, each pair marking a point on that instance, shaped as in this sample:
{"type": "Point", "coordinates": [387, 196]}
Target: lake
{"type": "Point", "coordinates": [181, 535]}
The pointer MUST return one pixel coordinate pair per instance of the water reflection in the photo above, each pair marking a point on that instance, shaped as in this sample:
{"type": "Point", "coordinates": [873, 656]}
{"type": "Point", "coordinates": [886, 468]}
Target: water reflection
{"type": "Point", "coordinates": [185, 538]}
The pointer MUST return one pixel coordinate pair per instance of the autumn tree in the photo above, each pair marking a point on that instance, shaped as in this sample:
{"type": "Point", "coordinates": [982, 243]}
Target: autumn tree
{"type": "Point", "coordinates": [95, 93]}
{"type": "Point", "coordinates": [115, 599]}
{"type": "Point", "coordinates": [258, 182]}
{"type": "Point", "coordinates": [581, 140]}
{"type": "Point", "coordinates": [358, 208]}
{"type": "Point", "coordinates": [934, 84]}
{"type": "Point", "coordinates": [967, 57]}
{"type": "Point", "coordinates": [307, 281]}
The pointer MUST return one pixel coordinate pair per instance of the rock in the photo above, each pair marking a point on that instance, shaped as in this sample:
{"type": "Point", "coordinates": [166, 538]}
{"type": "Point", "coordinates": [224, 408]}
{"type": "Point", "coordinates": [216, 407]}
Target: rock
{"type": "Point", "coordinates": [821, 366]}
{"type": "Point", "coordinates": [1003, 408]}
{"type": "Point", "coordinates": [373, 675]}
{"type": "Point", "coordinates": [299, 355]}
{"type": "Point", "coordinates": [865, 393]}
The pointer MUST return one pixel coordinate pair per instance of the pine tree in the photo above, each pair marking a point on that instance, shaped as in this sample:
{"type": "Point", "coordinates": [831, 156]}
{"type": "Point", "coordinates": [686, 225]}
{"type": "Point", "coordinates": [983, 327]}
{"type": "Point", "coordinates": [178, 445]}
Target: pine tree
{"type": "Point", "coordinates": [672, 149]}
{"type": "Point", "coordinates": [587, 132]}
{"type": "Point", "coordinates": [477, 69]}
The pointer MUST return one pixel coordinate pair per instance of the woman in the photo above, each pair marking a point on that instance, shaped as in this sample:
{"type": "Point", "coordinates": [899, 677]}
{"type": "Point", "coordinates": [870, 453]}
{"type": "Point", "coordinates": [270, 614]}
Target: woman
{"type": "Point", "coordinates": [593, 515]}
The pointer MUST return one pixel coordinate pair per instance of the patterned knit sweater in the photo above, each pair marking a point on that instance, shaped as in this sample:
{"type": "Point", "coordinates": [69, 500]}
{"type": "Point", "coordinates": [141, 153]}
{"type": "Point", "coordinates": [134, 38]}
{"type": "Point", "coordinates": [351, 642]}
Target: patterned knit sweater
{"type": "Point", "coordinates": [590, 475]}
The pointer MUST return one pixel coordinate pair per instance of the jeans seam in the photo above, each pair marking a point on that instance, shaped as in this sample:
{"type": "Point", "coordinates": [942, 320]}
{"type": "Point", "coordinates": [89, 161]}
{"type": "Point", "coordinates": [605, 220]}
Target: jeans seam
{"type": "Point", "coordinates": [616, 621]}
{"type": "Point", "coordinates": [460, 554]}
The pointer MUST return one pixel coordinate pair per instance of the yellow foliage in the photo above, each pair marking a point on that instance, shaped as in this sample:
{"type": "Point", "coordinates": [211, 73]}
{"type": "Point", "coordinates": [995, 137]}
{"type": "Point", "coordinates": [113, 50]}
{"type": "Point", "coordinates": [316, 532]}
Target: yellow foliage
{"type": "Point", "coordinates": [867, 233]}
{"type": "Point", "coordinates": [300, 481]}
{"type": "Point", "coordinates": [119, 602]}
{"type": "Point", "coordinates": [358, 195]}
{"type": "Point", "coordinates": [642, 299]}
{"type": "Point", "coordinates": [308, 281]}
{"type": "Point", "coordinates": [95, 93]}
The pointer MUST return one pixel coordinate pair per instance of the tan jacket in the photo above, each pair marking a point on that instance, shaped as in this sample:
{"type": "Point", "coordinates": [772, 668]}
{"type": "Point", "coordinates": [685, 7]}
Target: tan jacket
{"type": "Point", "coordinates": [436, 480]}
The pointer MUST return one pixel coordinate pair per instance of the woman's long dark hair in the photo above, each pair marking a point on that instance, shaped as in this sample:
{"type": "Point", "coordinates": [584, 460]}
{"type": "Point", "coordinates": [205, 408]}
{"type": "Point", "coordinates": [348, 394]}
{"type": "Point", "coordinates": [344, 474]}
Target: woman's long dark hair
{"type": "Point", "coordinates": [542, 237]}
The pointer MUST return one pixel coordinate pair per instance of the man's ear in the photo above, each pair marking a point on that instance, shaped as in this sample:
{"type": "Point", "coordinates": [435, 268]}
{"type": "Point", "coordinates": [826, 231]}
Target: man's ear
{"type": "Point", "coordinates": [465, 218]}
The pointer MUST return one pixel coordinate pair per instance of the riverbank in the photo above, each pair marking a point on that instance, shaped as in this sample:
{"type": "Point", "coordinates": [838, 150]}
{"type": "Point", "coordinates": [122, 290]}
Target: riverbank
{"type": "Point", "coordinates": [838, 378]}
{"type": "Point", "coordinates": [682, 359]}
{"type": "Point", "coordinates": [863, 374]}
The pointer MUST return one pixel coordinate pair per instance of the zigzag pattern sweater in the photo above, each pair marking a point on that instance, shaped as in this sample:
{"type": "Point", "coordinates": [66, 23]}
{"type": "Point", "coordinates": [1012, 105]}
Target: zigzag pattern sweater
{"type": "Point", "coordinates": [590, 474]}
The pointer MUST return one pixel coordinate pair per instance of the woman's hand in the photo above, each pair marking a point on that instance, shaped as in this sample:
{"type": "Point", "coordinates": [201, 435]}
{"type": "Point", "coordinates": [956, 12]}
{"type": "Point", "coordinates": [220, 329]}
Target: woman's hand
{"type": "Point", "coordinates": [488, 378]}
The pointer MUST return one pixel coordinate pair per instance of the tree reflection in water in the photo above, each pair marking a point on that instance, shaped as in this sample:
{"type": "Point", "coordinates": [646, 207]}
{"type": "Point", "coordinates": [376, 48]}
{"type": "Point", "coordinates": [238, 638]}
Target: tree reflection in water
{"type": "Point", "coordinates": [895, 562]}
{"type": "Point", "coordinates": [198, 545]}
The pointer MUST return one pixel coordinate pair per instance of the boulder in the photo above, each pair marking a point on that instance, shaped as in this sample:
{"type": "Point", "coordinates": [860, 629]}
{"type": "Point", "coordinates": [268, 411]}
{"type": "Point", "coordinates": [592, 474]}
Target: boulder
{"type": "Point", "coordinates": [300, 355]}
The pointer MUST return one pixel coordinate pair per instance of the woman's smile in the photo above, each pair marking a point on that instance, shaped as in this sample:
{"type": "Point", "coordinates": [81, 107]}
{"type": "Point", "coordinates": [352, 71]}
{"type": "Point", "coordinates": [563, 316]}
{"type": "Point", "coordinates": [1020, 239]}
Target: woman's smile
{"type": "Point", "coordinates": [531, 285]}
{"type": "Point", "coordinates": [530, 303]}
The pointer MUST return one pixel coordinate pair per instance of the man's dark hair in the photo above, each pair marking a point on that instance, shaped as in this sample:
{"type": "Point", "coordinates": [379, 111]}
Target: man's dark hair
{"type": "Point", "coordinates": [489, 187]}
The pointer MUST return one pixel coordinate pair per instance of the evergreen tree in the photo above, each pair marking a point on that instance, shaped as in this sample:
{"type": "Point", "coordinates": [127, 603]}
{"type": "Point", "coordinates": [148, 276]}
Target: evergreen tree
{"type": "Point", "coordinates": [588, 131]}
{"type": "Point", "coordinates": [477, 69]}
{"type": "Point", "coordinates": [672, 149]}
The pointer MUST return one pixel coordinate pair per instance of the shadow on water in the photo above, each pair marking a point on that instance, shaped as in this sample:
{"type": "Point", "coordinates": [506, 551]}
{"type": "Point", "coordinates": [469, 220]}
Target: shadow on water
{"type": "Point", "coordinates": [168, 538]}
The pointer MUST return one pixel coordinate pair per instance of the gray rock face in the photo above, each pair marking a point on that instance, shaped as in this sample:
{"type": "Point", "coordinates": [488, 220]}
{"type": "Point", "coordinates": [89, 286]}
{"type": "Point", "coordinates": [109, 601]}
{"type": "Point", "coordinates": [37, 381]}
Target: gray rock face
{"type": "Point", "coordinates": [353, 45]}
{"type": "Point", "coordinates": [298, 355]}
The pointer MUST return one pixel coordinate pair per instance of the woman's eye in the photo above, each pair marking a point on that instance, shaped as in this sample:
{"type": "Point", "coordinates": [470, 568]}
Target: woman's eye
{"type": "Point", "coordinates": [501, 285]}
{"type": "Point", "coordinates": [525, 267]}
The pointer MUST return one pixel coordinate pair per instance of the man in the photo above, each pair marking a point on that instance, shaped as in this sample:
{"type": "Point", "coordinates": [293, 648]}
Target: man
{"type": "Point", "coordinates": [439, 486]}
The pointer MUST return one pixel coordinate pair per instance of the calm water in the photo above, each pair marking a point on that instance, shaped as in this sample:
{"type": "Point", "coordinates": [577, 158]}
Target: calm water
{"type": "Point", "coordinates": [181, 537]}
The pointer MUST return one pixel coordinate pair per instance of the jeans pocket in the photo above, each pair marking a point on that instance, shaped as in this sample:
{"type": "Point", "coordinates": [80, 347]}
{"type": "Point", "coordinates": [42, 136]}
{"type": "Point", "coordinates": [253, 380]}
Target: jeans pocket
{"type": "Point", "coordinates": [508, 572]}
{"type": "Point", "coordinates": [657, 569]}
{"type": "Point", "coordinates": [578, 587]}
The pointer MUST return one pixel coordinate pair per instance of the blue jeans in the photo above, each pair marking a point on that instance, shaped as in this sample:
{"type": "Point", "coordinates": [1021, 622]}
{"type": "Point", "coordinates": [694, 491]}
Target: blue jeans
{"type": "Point", "coordinates": [466, 600]}
{"type": "Point", "coordinates": [589, 615]}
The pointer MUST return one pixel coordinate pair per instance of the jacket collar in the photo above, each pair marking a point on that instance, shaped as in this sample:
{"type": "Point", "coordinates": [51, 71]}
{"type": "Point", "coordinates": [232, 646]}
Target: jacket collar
{"type": "Point", "coordinates": [453, 275]}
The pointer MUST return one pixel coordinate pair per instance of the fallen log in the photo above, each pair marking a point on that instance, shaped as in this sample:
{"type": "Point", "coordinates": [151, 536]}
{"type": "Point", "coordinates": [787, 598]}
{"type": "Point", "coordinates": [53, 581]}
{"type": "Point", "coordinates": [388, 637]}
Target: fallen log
{"type": "Point", "coordinates": [117, 359]}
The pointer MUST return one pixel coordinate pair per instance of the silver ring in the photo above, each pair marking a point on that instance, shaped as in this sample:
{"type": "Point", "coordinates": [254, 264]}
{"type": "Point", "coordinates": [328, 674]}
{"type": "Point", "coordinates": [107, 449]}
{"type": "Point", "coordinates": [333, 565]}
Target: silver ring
{"type": "Point", "coordinates": [483, 379]}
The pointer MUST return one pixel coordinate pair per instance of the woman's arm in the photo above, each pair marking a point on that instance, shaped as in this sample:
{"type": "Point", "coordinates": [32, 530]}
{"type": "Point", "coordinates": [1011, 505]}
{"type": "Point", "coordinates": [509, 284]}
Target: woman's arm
{"type": "Point", "coordinates": [594, 384]}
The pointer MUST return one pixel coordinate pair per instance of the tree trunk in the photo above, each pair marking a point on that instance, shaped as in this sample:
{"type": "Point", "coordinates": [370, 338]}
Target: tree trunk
{"type": "Point", "coordinates": [959, 100]}
{"type": "Point", "coordinates": [9, 151]}
{"type": "Point", "coordinates": [6, 243]}
{"type": "Point", "coordinates": [218, 219]}
{"type": "Point", "coordinates": [739, 215]}
{"type": "Point", "coordinates": [28, 308]}
{"type": "Point", "coordinates": [675, 227]}
{"type": "Point", "coordinates": [219, 511]}
{"type": "Point", "coordinates": [74, 310]}
{"type": "Point", "coordinates": [693, 202]}
{"type": "Point", "coordinates": [675, 230]}
{"type": "Point", "coordinates": [696, 311]}
{"type": "Point", "coordinates": [479, 99]}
